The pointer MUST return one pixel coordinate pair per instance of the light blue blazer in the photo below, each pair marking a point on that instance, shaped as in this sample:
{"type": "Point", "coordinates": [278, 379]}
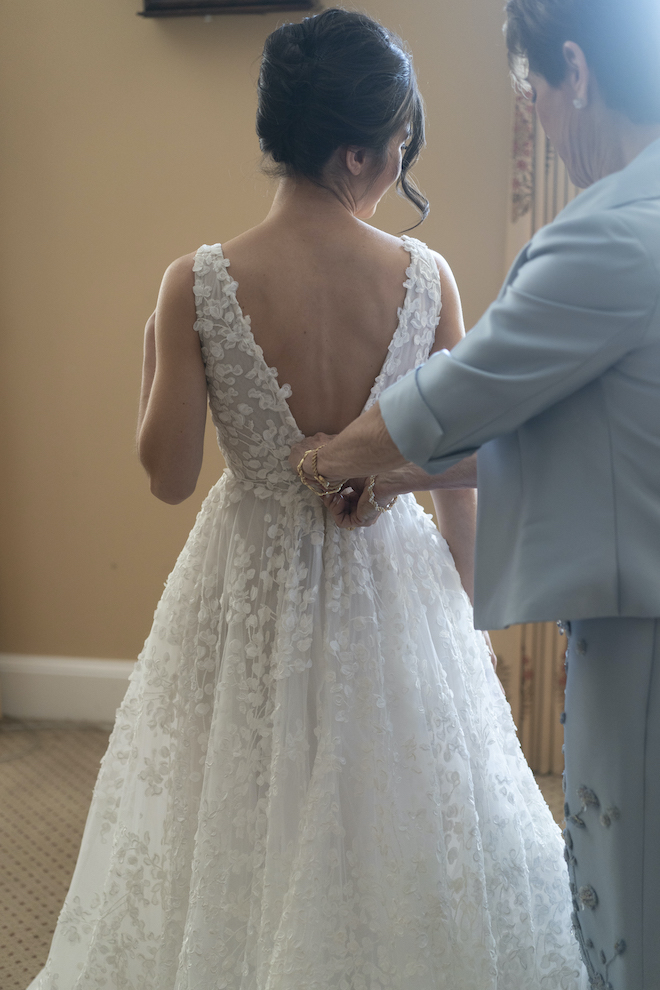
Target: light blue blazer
{"type": "Point", "coordinates": [558, 387]}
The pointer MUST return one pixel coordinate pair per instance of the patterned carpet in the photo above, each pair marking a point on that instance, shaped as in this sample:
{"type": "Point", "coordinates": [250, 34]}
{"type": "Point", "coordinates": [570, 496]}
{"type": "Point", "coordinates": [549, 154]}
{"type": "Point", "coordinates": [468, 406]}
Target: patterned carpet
{"type": "Point", "coordinates": [47, 774]}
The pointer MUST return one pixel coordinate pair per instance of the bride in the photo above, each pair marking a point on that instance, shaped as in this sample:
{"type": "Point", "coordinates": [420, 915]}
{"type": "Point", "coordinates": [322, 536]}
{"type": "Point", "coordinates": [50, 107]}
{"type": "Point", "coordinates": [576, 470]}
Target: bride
{"type": "Point", "coordinates": [314, 781]}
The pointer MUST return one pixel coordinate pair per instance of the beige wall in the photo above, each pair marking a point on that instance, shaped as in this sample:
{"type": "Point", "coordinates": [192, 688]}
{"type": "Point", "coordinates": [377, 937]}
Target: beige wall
{"type": "Point", "coordinates": [129, 142]}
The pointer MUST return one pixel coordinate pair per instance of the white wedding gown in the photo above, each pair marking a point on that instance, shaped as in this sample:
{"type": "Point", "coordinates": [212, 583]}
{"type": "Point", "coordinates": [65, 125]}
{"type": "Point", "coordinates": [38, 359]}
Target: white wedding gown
{"type": "Point", "coordinates": [314, 781]}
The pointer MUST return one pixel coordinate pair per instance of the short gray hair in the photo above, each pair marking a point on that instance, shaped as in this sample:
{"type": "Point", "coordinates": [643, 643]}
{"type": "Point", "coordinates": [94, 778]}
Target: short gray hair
{"type": "Point", "coordinates": [620, 39]}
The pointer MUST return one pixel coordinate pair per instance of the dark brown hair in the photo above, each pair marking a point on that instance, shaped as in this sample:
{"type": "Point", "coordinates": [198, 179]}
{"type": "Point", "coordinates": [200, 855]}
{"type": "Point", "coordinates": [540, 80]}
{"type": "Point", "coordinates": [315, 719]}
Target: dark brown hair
{"type": "Point", "coordinates": [337, 79]}
{"type": "Point", "coordinates": [620, 40]}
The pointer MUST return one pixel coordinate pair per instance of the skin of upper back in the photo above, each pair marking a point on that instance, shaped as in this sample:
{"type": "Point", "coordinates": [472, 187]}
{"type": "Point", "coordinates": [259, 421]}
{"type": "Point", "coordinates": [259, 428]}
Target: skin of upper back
{"type": "Point", "coordinates": [323, 306]}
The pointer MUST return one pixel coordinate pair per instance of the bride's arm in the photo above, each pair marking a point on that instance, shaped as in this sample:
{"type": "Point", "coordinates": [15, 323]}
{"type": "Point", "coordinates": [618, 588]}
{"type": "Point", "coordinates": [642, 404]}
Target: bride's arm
{"type": "Point", "coordinates": [457, 521]}
{"type": "Point", "coordinates": [172, 416]}
{"type": "Point", "coordinates": [148, 368]}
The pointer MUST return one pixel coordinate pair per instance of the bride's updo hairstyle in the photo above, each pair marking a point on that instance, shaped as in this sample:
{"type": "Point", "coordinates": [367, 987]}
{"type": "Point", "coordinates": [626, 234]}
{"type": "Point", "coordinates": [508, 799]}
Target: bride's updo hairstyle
{"type": "Point", "coordinates": [334, 80]}
{"type": "Point", "coordinates": [620, 40]}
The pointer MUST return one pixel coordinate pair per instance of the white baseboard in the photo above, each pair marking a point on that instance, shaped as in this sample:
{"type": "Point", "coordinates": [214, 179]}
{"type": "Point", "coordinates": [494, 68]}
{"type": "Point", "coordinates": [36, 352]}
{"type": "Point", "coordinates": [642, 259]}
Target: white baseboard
{"type": "Point", "coordinates": [68, 688]}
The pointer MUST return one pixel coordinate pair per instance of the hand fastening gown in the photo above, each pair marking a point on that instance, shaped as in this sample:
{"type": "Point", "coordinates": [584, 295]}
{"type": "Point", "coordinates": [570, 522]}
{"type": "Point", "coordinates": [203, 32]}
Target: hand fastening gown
{"type": "Point", "coordinates": [314, 781]}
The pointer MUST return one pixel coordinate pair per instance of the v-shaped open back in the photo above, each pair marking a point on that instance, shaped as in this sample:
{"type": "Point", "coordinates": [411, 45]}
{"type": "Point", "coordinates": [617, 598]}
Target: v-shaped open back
{"type": "Point", "coordinates": [249, 405]}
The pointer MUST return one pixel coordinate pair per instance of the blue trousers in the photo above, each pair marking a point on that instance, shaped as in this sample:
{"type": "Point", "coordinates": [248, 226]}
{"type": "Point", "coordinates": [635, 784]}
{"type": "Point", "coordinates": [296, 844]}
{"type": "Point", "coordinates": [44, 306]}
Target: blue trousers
{"type": "Point", "coordinates": [612, 794]}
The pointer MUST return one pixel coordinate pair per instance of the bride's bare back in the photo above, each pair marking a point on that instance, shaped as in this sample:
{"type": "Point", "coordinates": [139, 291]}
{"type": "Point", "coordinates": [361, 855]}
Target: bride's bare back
{"type": "Point", "coordinates": [324, 306]}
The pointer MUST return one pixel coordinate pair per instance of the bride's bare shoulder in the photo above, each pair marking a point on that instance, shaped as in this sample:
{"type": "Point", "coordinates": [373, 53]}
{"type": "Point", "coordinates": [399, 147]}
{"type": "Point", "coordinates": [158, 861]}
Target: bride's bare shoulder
{"type": "Point", "coordinates": [380, 239]}
{"type": "Point", "coordinates": [179, 277]}
{"type": "Point", "coordinates": [247, 240]}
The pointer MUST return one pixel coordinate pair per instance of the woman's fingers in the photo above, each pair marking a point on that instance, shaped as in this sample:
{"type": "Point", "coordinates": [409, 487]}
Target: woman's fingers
{"type": "Point", "coordinates": [365, 513]}
{"type": "Point", "coordinates": [339, 508]}
{"type": "Point", "coordinates": [357, 484]}
{"type": "Point", "coordinates": [344, 509]}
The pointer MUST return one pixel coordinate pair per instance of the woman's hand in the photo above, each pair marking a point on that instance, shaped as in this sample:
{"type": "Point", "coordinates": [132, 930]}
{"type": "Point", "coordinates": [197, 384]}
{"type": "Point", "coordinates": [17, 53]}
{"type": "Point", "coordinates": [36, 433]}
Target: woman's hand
{"type": "Point", "coordinates": [341, 507]}
{"type": "Point", "coordinates": [347, 507]}
{"type": "Point", "coordinates": [352, 508]}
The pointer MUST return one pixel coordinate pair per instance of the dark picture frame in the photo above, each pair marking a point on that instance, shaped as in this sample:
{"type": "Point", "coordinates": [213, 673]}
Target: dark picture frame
{"type": "Point", "coordinates": [202, 8]}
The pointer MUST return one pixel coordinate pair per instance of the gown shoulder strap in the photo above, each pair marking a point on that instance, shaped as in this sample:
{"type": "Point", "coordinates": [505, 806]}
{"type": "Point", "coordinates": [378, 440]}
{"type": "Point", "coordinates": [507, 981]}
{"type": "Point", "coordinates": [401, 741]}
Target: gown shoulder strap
{"type": "Point", "coordinates": [418, 319]}
{"type": "Point", "coordinates": [215, 292]}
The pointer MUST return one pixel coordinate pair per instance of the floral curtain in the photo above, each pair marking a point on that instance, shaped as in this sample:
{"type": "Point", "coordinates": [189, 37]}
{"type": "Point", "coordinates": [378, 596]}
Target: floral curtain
{"type": "Point", "coordinates": [540, 186]}
{"type": "Point", "coordinates": [531, 668]}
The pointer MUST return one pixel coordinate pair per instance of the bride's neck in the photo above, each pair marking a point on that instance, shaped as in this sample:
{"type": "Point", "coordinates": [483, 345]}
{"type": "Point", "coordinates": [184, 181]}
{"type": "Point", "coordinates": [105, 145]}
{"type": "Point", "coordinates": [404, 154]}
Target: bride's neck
{"type": "Point", "coordinates": [301, 199]}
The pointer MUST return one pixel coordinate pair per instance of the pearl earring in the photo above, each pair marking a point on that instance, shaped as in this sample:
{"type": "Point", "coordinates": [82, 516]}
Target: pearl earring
{"type": "Point", "coordinates": [579, 104]}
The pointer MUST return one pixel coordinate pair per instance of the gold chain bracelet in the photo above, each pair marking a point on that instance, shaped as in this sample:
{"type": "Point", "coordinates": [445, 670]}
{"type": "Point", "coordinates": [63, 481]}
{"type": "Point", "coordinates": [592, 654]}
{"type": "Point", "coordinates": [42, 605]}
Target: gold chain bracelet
{"type": "Point", "coordinates": [372, 497]}
{"type": "Point", "coordinates": [327, 488]}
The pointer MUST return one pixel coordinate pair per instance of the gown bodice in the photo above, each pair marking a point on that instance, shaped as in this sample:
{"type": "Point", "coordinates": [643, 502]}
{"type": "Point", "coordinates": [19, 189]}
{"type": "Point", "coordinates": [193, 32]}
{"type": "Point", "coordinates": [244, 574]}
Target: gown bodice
{"type": "Point", "coordinates": [254, 425]}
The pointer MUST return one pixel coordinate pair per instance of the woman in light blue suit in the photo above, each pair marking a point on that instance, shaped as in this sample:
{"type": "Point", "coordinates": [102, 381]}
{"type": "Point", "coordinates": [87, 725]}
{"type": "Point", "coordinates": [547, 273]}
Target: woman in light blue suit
{"type": "Point", "coordinates": [558, 389]}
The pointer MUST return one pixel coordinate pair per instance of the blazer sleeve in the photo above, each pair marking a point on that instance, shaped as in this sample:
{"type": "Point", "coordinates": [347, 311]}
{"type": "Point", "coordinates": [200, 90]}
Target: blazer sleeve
{"type": "Point", "coordinates": [584, 296]}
